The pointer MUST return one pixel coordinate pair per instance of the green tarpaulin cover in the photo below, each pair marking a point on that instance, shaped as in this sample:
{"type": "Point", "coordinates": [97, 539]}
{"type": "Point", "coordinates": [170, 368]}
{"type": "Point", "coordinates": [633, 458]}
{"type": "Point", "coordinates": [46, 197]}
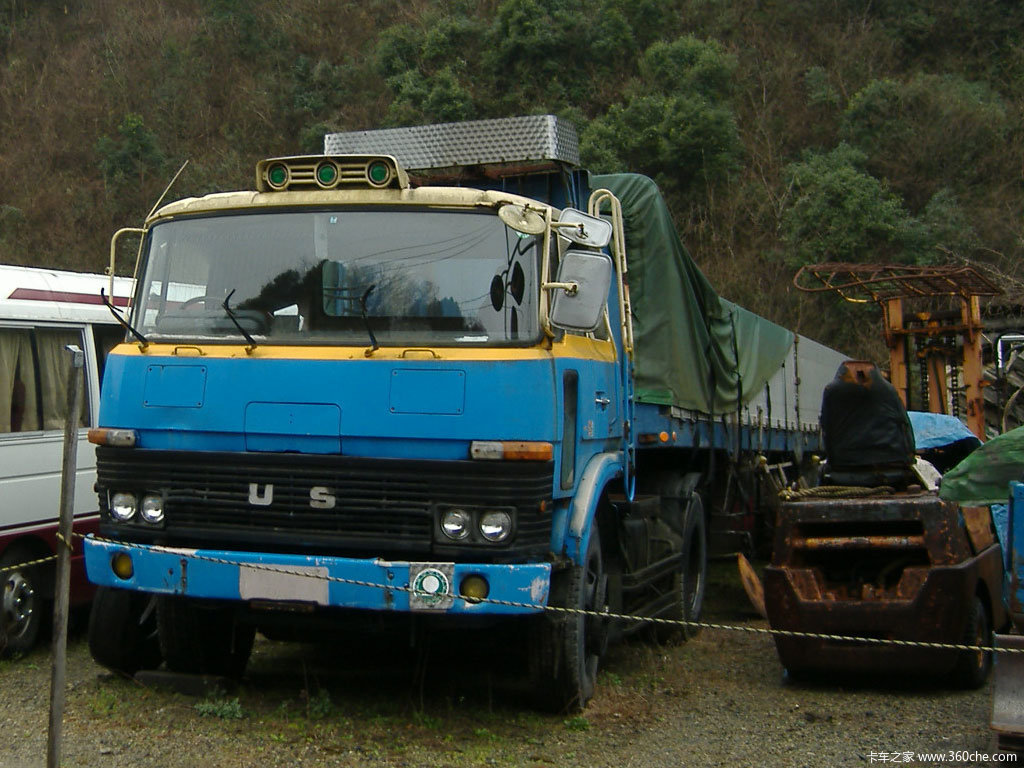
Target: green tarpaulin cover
{"type": "Point", "coordinates": [984, 477]}
{"type": "Point", "coordinates": [694, 349]}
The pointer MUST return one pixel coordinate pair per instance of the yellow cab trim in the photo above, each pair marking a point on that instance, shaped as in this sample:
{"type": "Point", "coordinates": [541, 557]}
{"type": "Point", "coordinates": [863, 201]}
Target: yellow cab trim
{"type": "Point", "coordinates": [569, 346]}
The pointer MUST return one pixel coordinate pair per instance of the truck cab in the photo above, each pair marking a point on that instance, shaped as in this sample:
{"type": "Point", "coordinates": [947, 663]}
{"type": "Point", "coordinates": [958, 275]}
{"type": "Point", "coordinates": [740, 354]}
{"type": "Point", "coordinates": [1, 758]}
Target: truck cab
{"type": "Point", "coordinates": [343, 380]}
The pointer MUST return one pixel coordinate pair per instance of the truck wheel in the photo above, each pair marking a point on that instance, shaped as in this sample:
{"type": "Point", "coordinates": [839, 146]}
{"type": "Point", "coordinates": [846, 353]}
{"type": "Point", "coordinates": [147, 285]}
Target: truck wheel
{"type": "Point", "coordinates": [567, 648]}
{"type": "Point", "coordinates": [689, 581]}
{"type": "Point", "coordinates": [22, 608]}
{"type": "Point", "coordinates": [973, 667]}
{"type": "Point", "coordinates": [694, 574]}
{"type": "Point", "coordinates": [202, 638]}
{"type": "Point", "coordinates": [122, 630]}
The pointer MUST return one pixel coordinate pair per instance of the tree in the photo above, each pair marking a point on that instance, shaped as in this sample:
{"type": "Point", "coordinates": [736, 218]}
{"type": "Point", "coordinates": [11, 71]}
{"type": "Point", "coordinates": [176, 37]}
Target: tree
{"type": "Point", "coordinates": [842, 213]}
{"type": "Point", "coordinates": [132, 155]}
{"type": "Point", "coordinates": [676, 124]}
{"type": "Point", "coordinates": [930, 132]}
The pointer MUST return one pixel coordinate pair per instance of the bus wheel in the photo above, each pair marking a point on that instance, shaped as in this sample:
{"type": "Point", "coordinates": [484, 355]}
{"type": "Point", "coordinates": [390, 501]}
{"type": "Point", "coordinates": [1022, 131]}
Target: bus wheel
{"type": "Point", "coordinates": [22, 606]}
{"type": "Point", "coordinates": [202, 637]}
{"type": "Point", "coordinates": [122, 630]}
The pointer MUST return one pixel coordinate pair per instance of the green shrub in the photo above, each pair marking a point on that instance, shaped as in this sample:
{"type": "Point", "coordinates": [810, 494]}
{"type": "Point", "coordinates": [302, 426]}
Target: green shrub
{"type": "Point", "coordinates": [225, 709]}
{"type": "Point", "coordinates": [690, 66]}
{"type": "Point", "coordinates": [676, 122]}
{"type": "Point", "coordinates": [684, 141]}
{"type": "Point", "coordinates": [930, 132]}
{"type": "Point", "coordinates": [819, 90]}
{"type": "Point", "coordinates": [132, 155]}
{"type": "Point", "coordinates": [842, 213]}
{"type": "Point", "coordinates": [397, 50]}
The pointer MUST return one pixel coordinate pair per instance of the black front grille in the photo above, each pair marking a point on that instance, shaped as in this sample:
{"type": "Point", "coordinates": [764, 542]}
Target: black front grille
{"type": "Point", "coordinates": [381, 506]}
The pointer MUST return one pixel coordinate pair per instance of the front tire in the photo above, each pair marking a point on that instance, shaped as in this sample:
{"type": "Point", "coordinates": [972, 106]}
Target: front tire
{"type": "Point", "coordinates": [123, 630]}
{"type": "Point", "coordinates": [567, 648]}
{"type": "Point", "coordinates": [199, 637]}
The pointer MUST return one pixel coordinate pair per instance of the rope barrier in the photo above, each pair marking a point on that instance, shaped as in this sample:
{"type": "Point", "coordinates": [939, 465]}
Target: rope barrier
{"type": "Point", "coordinates": [27, 564]}
{"type": "Point", "coordinates": [680, 623]}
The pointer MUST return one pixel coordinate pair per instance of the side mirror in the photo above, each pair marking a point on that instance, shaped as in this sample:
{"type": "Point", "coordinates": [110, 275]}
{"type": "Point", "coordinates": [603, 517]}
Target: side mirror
{"type": "Point", "coordinates": [584, 229]}
{"type": "Point", "coordinates": [581, 292]}
{"type": "Point", "coordinates": [112, 268]}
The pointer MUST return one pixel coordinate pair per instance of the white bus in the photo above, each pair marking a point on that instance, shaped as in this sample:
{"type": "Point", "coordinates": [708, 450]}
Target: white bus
{"type": "Point", "coordinates": [41, 312]}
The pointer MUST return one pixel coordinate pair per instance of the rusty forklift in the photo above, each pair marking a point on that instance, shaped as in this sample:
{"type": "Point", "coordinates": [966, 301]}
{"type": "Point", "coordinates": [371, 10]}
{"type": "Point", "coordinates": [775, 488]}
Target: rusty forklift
{"type": "Point", "coordinates": [874, 553]}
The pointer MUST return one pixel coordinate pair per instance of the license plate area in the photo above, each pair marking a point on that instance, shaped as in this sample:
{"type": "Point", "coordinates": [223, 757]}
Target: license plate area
{"type": "Point", "coordinates": [302, 584]}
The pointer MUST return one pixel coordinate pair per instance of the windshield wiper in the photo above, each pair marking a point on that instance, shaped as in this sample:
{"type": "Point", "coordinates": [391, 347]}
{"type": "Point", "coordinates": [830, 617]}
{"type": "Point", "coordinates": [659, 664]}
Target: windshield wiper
{"type": "Point", "coordinates": [143, 341]}
{"type": "Point", "coordinates": [252, 342]}
{"type": "Point", "coordinates": [369, 330]}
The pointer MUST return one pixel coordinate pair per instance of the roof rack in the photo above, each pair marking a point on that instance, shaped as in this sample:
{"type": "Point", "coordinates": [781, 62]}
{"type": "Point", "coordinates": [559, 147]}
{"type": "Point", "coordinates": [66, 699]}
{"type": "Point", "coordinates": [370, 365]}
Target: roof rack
{"type": "Point", "coordinates": [500, 147]}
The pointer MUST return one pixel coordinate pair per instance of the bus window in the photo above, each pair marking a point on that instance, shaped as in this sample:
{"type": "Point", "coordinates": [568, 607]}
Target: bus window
{"type": "Point", "coordinates": [34, 369]}
{"type": "Point", "coordinates": [54, 365]}
{"type": "Point", "coordinates": [19, 411]}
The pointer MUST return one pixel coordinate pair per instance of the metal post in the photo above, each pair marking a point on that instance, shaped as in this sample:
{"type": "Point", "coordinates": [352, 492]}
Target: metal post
{"type": "Point", "coordinates": [63, 578]}
{"type": "Point", "coordinates": [974, 379]}
{"type": "Point", "coordinates": [896, 340]}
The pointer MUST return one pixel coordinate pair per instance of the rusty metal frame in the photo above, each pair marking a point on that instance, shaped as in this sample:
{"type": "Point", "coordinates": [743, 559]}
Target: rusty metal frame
{"type": "Point", "coordinates": [903, 567]}
{"type": "Point", "coordinates": [889, 285]}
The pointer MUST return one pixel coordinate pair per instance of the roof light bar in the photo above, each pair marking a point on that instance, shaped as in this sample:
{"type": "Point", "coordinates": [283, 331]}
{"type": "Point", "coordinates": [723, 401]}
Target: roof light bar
{"type": "Point", "coordinates": [321, 172]}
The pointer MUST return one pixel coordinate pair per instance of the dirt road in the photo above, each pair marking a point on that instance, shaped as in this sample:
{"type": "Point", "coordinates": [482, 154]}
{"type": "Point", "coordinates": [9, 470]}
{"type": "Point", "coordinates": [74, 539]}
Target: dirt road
{"type": "Point", "coordinates": [719, 700]}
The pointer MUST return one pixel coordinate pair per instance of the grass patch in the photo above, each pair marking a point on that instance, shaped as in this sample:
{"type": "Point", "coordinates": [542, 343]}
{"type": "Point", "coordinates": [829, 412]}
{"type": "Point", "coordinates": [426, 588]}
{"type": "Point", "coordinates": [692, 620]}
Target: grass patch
{"type": "Point", "coordinates": [104, 702]}
{"type": "Point", "coordinates": [319, 705]}
{"type": "Point", "coordinates": [225, 709]}
{"type": "Point", "coordinates": [611, 678]}
{"type": "Point", "coordinates": [577, 723]}
{"type": "Point", "coordinates": [430, 722]}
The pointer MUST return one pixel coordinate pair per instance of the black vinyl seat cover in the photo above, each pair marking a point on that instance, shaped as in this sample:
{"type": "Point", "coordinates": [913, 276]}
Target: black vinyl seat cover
{"type": "Point", "coordinates": [868, 438]}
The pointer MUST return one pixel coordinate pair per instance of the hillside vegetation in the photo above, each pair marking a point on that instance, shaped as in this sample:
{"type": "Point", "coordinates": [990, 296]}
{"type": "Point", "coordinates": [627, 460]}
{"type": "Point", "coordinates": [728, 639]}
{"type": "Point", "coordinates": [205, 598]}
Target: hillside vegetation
{"type": "Point", "coordinates": [783, 132]}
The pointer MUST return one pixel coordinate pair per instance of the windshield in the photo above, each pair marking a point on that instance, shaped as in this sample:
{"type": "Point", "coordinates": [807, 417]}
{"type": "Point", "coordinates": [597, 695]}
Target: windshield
{"type": "Point", "coordinates": [344, 276]}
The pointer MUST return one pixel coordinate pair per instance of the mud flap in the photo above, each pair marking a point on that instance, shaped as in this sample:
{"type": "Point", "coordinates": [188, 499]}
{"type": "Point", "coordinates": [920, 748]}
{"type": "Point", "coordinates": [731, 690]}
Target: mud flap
{"type": "Point", "coordinates": [752, 585]}
{"type": "Point", "coordinates": [1008, 699]}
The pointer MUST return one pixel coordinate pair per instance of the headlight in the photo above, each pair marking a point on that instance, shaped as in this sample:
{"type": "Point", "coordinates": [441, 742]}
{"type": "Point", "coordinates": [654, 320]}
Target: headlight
{"type": "Point", "coordinates": [152, 509]}
{"type": "Point", "coordinates": [495, 526]}
{"type": "Point", "coordinates": [455, 524]}
{"type": "Point", "coordinates": [122, 506]}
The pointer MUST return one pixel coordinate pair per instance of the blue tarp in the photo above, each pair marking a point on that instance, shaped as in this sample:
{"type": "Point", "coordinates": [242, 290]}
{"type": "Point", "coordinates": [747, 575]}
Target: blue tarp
{"type": "Point", "coordinates": [934, 430]}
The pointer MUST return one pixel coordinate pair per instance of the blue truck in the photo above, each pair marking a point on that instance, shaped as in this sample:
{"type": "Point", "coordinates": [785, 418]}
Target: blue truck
{"type": "Point", "coordinates": [439, 372]}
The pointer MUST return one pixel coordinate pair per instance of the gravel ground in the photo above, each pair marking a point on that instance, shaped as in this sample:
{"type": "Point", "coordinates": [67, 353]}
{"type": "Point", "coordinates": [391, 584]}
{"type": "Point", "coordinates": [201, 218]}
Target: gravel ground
{"type": "Point", "coordinates": [719, 700]}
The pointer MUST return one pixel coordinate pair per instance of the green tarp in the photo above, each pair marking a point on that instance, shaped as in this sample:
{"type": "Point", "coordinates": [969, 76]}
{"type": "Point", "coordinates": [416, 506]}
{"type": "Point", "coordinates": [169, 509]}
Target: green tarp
{"type": "Point", "coordinates": [694, 349]}
{"type": "Point", "coordinates": [984, 477]}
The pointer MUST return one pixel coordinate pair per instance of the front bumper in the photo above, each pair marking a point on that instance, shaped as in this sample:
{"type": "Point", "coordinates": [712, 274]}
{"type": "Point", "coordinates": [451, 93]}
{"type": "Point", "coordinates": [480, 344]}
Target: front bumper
{"type": "Point", "coordinates": [371, 584]}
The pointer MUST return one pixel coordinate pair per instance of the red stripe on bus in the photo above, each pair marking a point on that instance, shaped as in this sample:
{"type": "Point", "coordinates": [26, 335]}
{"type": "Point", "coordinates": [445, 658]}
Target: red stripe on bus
{"type": "Point", "coordinates": [81, 589]}
{"type": "Point", "coordinates": [34, 294]}
{"type": "Point", "coordinates": [46, 524]}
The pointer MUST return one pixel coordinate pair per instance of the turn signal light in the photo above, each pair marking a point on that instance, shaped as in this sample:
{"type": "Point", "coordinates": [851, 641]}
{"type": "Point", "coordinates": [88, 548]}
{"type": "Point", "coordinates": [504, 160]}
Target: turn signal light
{"type": "Point", "coordinates": [121, 565]}
{"type": "Point", "coordinates": [474, 588]}
{"type": "Point", "coordinates": [510, 450]}
{"type": "Point", "coordinates": [119, 438]}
